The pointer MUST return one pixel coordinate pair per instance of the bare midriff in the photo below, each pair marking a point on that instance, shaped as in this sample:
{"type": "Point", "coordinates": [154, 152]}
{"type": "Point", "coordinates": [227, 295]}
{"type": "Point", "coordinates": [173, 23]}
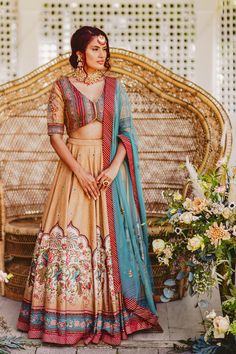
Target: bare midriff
{"type": "Point", "coordinates": [93, 130]}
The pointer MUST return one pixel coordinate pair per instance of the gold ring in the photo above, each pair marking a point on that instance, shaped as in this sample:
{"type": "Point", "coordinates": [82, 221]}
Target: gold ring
{"type": "Point", "coordinates": [105, 183]}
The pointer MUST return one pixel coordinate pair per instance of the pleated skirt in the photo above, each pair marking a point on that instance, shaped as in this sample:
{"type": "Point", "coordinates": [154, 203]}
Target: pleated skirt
{"type": "Point", "coordinates": [70, 294]}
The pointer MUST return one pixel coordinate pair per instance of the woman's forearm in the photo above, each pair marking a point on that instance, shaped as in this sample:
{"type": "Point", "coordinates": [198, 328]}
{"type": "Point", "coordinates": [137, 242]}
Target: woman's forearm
{"type": "Point", "coordinates": [64, 153]}
{"type": "Point", "coordinates": [119, 157]}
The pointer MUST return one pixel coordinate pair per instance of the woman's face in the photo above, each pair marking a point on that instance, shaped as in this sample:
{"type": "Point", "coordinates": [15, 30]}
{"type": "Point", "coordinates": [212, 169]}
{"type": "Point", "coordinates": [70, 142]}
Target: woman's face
{"type": "Point", "coordinates": [96, 53]}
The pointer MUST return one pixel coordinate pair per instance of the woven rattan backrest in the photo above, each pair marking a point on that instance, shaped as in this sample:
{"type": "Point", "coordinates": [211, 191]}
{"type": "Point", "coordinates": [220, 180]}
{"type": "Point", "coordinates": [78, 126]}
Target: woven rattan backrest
{"type": "Point", "coordinates": [174, 118]}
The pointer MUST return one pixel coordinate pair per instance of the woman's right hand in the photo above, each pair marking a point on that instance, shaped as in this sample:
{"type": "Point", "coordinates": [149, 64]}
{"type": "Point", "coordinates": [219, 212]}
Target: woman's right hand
{"type": "Point", "coordinates": [88, 183]}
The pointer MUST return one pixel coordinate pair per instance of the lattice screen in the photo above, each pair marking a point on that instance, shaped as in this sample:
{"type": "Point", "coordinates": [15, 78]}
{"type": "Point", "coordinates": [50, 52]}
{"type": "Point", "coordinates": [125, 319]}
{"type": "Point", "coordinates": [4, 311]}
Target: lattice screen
{"type": "Point", "coordinates": [226, 68]}
{"type": "Point", "coordinates": [8, 40]}
{"type": "Point", "coordinates": [163, 30]}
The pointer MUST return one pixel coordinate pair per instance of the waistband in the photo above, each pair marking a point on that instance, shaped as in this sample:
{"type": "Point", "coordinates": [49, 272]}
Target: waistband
{"type": "Point", "coordinates": [77, 141]}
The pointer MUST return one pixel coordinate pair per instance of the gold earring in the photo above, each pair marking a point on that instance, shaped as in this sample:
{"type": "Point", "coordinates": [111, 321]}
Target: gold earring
{"type": "Point", "coordinates": [79, 62]}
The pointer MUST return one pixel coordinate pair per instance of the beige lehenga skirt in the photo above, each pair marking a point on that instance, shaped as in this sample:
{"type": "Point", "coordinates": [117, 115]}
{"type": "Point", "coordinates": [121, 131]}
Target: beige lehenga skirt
{"type": "Point", "coordinates": [70, 292]}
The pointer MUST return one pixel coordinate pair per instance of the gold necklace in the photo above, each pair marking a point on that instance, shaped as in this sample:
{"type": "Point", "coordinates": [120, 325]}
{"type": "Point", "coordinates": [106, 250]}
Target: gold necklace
{"type": "Point", "coordinates": [88, 79]}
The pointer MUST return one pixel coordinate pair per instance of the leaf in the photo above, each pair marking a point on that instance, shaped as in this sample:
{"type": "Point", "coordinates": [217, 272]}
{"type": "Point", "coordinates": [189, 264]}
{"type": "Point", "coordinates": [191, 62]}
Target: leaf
{"type": "Point", "coordinates": [190, 276]}
{"type": "Point", "coordinates": [168, 293]}
{"type": "Point", "coordinates": [202, 347]}
{"type": "Point", "coordinates": [4, 351]}
{"type": "Point", "coordinates": [170, 282]}
{"type": "Point", "coordinates": [190, 264]}
{"type": "Point", "coordinates": [191, 292]}
{"type": "Point", "coordinates": [164, 299]}
{"type": "Point", "coordinates": [203, 304]}
{"type": "Point", "coordinates": [181, 275]}
{"type": "Point", "coordinates": [11, 342]}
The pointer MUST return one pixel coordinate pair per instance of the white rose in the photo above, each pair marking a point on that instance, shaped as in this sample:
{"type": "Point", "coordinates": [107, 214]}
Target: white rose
{"type": "Point", "coordinates": [221, 326]}
{"type": "Point", "coordinates": [211, 315]}
{"type": "Point", "coordinates": [158, 245]}
{"type": "Point", "coordinates": [195, 243]}
{"type": "Point", "coordinates": [186, 217]}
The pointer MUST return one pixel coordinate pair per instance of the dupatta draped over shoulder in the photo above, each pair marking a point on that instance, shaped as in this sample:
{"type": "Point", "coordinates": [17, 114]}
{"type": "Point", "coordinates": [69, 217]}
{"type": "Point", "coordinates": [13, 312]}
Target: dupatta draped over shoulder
{"type": "Point", "coordinates": [126, 210]}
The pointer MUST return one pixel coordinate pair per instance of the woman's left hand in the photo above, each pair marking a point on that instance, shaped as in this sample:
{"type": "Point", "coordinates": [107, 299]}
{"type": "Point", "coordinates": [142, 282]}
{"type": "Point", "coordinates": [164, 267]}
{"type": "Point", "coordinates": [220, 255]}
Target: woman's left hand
{"type": "Point", "coordinates": [106, 175]}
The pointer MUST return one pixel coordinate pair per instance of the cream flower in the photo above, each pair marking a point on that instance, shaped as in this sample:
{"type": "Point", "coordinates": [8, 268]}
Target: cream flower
{"type": "Point", "coordinates": [187, 204]}
{"type": "Point", "coordinates": [211, 315]}
{"type": "Point", "coordinates": [158, 245]}
{"type": "Point", "coordinates": [3, 277]}
{"type": "Point", "coordinates": [195, 243]}
{"type": "Point", "coordinates": [217, 208]}
{"type": "Point", "coordinates": [221, 326]}
{"type": "Point", "coordinates": [168, 251]}
{"type": "Point", "coordinates": [177, 196]}
{"type": "Point", "coordinates": [217, 233]}
{"type": "Point", "coordinates": [166, 261]}
{"type": "Point", "coordinates": [186, 217]}
{"type": "Point", "coordinates": [226, 213]}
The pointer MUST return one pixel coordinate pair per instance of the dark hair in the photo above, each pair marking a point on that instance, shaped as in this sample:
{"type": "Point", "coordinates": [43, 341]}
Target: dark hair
{"type": "Point", "coordinates": [80, 40]}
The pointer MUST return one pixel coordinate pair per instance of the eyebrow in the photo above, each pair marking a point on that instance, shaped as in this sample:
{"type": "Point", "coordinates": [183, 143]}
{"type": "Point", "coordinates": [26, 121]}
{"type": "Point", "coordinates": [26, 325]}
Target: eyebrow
{"type": "Point", "coordinates": [96, 46]}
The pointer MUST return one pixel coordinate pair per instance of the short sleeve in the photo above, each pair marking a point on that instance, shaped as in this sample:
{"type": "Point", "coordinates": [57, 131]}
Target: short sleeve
{"type": "Point", "coordinates": [55, 111]}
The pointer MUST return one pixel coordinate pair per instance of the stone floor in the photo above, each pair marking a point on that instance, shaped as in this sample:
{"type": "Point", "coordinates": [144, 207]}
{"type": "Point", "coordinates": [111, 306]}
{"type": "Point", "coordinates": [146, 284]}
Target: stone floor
{"type": "Point", "coordinates": [179, 319]}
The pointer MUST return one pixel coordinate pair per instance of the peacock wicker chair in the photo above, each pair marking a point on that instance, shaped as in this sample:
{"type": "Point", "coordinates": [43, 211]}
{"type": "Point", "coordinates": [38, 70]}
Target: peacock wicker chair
{"type": "Point", "coordinates": [174, 118]}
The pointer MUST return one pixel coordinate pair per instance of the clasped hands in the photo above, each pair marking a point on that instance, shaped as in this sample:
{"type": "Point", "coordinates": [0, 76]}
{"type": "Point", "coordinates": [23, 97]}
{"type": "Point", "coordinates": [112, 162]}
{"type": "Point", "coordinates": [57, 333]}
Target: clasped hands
{"type": "Point", "coordinates": [93, 186]}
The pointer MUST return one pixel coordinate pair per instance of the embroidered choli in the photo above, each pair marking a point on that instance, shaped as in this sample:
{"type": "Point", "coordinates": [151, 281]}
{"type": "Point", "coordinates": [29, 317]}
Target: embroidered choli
{"type": "Point", "coordinates": [67, 106]}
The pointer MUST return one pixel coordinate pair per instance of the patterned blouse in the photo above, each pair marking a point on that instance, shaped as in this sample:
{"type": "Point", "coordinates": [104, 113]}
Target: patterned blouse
{"type": "Point", "coordinates": [70, 107]}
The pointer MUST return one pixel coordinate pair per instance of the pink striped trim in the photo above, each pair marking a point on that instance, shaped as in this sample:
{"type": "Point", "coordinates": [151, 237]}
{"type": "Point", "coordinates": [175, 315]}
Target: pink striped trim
{"type": "Point", "coordinates": [108, 116]}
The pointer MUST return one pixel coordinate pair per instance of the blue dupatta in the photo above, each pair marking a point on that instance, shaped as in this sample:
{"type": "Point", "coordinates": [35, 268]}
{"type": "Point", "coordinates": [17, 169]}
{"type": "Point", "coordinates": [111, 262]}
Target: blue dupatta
{"type": "Point", "coordinates": [126, 210]}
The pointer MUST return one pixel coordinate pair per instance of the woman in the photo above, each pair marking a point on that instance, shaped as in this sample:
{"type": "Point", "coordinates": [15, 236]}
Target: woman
{"type": "Point", "coordinates": [90, 276]}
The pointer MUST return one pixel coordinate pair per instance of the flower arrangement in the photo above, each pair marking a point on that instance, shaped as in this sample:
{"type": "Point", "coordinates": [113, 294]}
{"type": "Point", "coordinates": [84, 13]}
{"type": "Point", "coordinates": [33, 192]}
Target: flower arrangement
{"type": "Point", "coordinates": [4, 277]}
{"type": "Point", "coordinates": [203, 230]}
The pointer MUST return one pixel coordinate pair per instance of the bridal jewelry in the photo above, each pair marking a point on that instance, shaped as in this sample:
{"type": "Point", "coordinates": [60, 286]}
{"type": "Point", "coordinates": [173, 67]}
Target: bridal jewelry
{"type": "Point", "coordinates": [89, 79]}
{"type": "Point", "coordinates": [79, 62]}
{"type": "Point", "coordinates": [101, 39]}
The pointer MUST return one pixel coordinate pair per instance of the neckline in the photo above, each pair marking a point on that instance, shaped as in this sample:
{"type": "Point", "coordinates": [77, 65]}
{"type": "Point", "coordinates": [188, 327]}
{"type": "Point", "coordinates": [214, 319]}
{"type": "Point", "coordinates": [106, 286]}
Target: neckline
{"type": "Point", "coordinates": [82, 94]}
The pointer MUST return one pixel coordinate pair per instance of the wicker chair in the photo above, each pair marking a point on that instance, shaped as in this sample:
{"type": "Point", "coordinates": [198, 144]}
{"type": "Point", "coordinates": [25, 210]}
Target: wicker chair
{"type": "Point", "coordinates": [173, 117]}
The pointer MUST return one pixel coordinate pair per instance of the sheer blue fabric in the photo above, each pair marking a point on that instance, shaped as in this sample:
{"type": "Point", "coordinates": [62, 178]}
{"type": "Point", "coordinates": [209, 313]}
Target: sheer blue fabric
{"type": "Point", "coordinates": [130, 221]}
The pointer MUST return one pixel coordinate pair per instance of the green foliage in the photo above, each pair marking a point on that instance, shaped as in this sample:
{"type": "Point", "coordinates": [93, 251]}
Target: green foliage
{"type": "Point", "coordinates": [11, 342]}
